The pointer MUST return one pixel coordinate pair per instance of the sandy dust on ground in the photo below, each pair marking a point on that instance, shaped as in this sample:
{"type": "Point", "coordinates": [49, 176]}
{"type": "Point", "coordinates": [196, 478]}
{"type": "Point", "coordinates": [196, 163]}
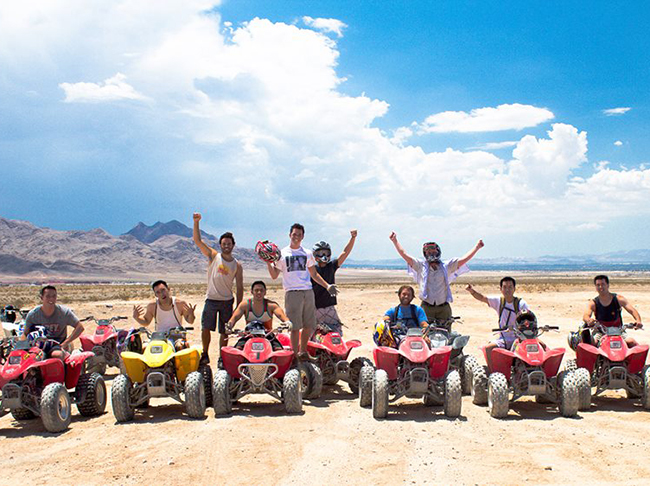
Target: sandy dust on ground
{"type": "Point", "coordinates": [335, 441]}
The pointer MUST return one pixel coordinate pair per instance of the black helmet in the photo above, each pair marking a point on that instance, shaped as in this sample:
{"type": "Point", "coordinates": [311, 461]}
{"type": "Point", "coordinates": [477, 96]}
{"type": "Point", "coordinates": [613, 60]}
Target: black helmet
{"type": "Point", "coordinates": [322, 251]}
{"type": "Point", "coordinates": [434, 251]}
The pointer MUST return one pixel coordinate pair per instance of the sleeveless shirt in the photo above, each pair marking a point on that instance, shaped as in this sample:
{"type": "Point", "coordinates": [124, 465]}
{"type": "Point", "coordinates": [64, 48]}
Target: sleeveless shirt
{"type": "Point", "coordinates": [266, 317]}
{"type": "Point", "coordinates": [221, 275]}
{"type": "Point", "coordinates": [166, 320]}
{"type": "Point", "coordinates": [609, 315]}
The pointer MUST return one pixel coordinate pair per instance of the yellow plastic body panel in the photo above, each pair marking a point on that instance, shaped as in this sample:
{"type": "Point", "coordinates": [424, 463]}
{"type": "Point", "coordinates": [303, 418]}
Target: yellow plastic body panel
{"type": "Point", "coordinates": [134, 366]}
{"type": "Point", "coordinates": [186, 361]}
{"type": "Point", "coordinates": [164, 352]}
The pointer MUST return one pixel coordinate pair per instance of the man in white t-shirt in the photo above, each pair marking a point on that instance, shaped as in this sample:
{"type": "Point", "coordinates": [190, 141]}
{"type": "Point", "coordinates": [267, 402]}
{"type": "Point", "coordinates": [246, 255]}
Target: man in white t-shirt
{"type": "Point", "coordinates": [297, 266]}
{"type": "Point", "coordinates": [434, 276]}
{"type": "Point", "coordinates": [507, 307]}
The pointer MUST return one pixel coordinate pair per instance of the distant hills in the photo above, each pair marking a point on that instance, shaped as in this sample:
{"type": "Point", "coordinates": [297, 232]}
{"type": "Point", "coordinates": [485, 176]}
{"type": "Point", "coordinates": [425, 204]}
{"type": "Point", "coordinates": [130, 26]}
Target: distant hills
{"type": "Point", "coordinates": [35, 253]}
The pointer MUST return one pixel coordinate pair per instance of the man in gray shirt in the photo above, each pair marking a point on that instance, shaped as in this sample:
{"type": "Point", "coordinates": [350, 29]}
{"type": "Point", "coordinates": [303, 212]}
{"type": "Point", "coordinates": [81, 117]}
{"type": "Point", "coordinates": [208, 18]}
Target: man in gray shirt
{"type": "Point", "coordinates": [55, 319]}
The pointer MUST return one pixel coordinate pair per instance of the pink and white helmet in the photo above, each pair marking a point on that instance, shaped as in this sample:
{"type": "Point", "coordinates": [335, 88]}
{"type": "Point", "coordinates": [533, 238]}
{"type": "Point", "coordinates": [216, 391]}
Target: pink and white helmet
{"type": "Point", "coordinates": [267, 251]}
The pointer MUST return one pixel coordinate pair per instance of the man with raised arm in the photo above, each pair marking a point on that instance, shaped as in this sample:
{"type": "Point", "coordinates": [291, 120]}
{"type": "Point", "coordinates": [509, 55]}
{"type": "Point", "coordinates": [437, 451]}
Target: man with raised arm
{"type": "Point", "coordinates": [326, 314]}
{"type": "Point", "coordinates": [508, 307]}
{"type": "Point", "coordinates": [166, 311]}
{"type": "Point", "coordinates": [606, 309]}
{"type": "Point", "coordinates": [434, 277]}
{"type": "Point", "coordinates": [223, 269]}
{"type": "Point", "coordinates": [297, 267]}
{"type": "Point", "coordinates": [55, 319]}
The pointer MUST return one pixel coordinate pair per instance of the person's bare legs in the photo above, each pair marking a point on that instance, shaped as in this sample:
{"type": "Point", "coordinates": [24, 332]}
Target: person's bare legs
{"type": "Point", "coordinates": [205, 339]}
{"type": "Point", "coordinates": [304, 339]}
{"type": "Point", "coordinates": [488, 354]}
{"type": "Point", "coordinates": [223, 341]}
{"type": "Point", "coordinates": [295, 342]}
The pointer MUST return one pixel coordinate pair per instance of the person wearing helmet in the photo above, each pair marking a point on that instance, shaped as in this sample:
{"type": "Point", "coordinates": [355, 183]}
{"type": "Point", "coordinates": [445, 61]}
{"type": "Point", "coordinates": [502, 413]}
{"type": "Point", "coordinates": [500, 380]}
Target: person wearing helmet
{"type": "Point", "coordinates": [507, 307]}
{"type": "Point", "coordinates": [434, 276]}
{"type": "Point", "coordinates": [296, 266]}
{"type": "Point", "coordinates": [606, 307]}
{"type": "Point", "coordinates": [223, 269]}
{"type": "Point", "coordinates": [55, 319]}
{"type": "Point", "coordinates": [326, 267]}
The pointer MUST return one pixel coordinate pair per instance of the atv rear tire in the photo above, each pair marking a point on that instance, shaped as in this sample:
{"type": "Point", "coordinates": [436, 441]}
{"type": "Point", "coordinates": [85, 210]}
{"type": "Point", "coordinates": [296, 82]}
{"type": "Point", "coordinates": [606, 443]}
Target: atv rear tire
{"type": "Point", "coordinates": [356, 365]}
{"type": "Point", "coordinates": [123, 409]}
{"type": "Point", "coordinates": [92, 389]}
{"type": "Point", "coordinates": [497, 397]}
{"type": "Point", "coordinates": [312, 380]}
{"type": "Point", "coordinates": [584, 388]}
{"type": "Point", "coordinates": [221, 398]}
{"type": "Point", "coordinates": [206, 371]}
{"type": "Point", "coordinates": [453, 394]}
{"type": "Point", "coordinates": [56, 408]}
{"type": "Point", "coordinates": [366, 376]}
{"type": "Point", "coordinates": [292, 391]}
{"type": "Point", "coordinates": [467, 366]}
{"type": "Point", "coordinates": [380, 394]}
{"type": "Point", "coordinates": [480, 385]}
{"type": "Point", "coordinates": [195, 395]}
{"type": "Point", "coordinates": [571, 365]}
{"type": "Point", "coordinates": [568, 399]}
{"type": "Point", "coordinates": [645, 398]}
{"type": "Point", "coordinates": [23, 414]}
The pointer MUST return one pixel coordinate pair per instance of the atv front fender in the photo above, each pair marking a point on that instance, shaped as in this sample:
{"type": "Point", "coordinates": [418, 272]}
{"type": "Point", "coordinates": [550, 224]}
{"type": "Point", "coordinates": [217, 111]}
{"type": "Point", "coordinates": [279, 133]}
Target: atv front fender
{"type": "Point", "coordinates": [74, 365]}
{"type": "Point", "coordinates": [439, 362]}
{"type": "Point", "coordinates": [386, 359]}
{"type": "Point", "coordinates": [187, 361]}
{"type": "Point", "coordinates": [586, 356]}
{"type": "Point", "coordinates": [134, 366]}
{"type": "Point", "coordinates": [636, 357]}
{"type": "Point", "coordinates": [502, 361]}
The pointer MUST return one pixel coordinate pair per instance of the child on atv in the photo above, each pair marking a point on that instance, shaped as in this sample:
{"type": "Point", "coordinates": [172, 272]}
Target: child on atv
{"type": "Point", "coordinates": [392, 329]}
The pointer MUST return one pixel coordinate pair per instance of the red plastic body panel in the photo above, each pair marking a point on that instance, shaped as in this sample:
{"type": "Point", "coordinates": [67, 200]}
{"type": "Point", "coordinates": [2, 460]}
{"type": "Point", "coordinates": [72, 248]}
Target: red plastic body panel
{"type": "Point", "coordinates": [88, 341]}
{"type": "Point", "coordinates": [634, 358]}
{"type": "Point", "coordinates": [74, 367]}
{"type": "Point", "coordinates": [342, 349]}
{"type": "Point", "coordinates": [416, 350]}
{"type": "Point", "coordinates": [549, 359]}
{"type": "Point", "coordinates": [233, 357]}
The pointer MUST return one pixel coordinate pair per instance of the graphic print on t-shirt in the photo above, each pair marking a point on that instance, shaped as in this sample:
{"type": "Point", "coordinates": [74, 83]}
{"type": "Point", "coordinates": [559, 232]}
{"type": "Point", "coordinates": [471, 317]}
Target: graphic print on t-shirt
{"type": "Point", "coordinates": [223, 270]}
{"type": "Point", "coordinates": [296, 263]}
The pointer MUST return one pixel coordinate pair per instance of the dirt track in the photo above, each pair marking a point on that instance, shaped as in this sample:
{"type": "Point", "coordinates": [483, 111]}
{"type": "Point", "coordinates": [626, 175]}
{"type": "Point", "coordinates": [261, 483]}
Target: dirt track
{"type": "Point", "coordinates": [336, 442]}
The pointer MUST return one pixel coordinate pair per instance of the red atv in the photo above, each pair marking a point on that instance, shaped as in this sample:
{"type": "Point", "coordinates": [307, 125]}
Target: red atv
{"type": "Point", "coordinates": [331, 354]}
{"type": "Point", "coordinates": [108, 342]}
{"type": "Point", "coordinates": [613, 366]}
{"type": "Point", "coordinates": [33, 386]}
{"type": "Point", "coordinates": [413, 370]}
{"type": "Point", "coordinates": [258, 363]}
{"type": "Point", "coordinates": [529, 369]}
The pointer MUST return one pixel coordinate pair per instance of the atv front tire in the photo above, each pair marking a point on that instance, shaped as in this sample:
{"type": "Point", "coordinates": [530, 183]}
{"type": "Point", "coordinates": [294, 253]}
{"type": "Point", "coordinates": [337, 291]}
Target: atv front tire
{"type": "Point", "coordinates": [497, 396]}
{"type": "Point", "coordinates": [312, 380]}
{"type": "Point", "coordinates": [453, 394]}
{"type": "Point", "coordinates": [56, 409]}
{"type": "Point", "coordinates": [380, 395]}
{"type": "Point", "coordinates": [292, 392]}
{"type": "Point", "coordinates": [123, 409]}
{"type": "Point", "coordinates": [480, 385]}
{"type": "Point", "coordinates": [583, 380]}
{"type": "Point", "coordinates": [468, 365]}
{"type": "Point", "coordinates": [222, 400]}
{"type": "Point", "coordinates": [195, 395]}
{"type": "Point", "coordinates": [92, 389]}
{"type": "Point", "coordinates": [366, 376]}
{"type": "Point", "coordinates": [568, 400]}
{"type": "Point", "coordinates": [206, 371]}
{"type": "Point", "coordinates": [645, 398]}
{"type": "Point", "coordinates": [356, 365]}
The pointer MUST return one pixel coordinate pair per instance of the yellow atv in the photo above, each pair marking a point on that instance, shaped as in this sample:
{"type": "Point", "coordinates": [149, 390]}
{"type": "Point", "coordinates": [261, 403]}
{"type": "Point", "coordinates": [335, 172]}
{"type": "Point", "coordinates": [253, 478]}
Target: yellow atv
{"type": "Point", "coordinates": [168, 367]}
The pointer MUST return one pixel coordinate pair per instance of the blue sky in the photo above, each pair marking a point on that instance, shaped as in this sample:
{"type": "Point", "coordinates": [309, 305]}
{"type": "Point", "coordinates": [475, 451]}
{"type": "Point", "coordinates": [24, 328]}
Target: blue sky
{"type": "Point", "coordinates": [440, 120]}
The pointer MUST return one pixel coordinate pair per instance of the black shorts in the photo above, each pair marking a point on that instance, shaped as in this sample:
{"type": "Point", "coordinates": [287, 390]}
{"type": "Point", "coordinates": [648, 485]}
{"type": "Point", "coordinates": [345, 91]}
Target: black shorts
{"type": "Point", "coordinates": [210, 311]}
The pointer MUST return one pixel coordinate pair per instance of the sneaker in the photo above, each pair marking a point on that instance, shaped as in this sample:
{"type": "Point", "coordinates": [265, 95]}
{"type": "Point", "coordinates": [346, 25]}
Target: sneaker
{"type": "Point", "coordinates": [220, 363]}
{"type": "Point", "coordinates": [205, 359]}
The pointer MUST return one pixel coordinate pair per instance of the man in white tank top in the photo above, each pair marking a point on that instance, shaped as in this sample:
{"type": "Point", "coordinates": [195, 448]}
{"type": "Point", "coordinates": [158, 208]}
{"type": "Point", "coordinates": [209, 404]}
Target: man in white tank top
{"type": "Point", "coordinates": [166, 311]}
{"type": "Point", "coordinates": [223, 269]}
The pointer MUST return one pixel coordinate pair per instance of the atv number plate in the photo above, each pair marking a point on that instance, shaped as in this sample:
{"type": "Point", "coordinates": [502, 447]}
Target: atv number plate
{"type": "Point", "coordinates": [257, 347]}
{"type": "Point", "coordinates": [336, 340]}
{"type": "Point", "coordinates": [416, 345]}
{"type": "Point", "coordinates": [14, 360]}
{"type": "Point", "coordinates": [616, 345]}
{"type": "Point", "coordinates": [532, 348]}
{"type": "Point", "coordinates": [156, 349]}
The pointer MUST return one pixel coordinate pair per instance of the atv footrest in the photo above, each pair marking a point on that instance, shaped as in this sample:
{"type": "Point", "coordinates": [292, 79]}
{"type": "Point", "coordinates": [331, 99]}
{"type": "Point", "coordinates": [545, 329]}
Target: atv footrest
{"type": "Point", "coordinates": [617, 377]}
{"type": "Point", "coordinates": [11, 396]}
{"type": "Point", "coordinates": [156, 384]}
{"type": "Point", "coordinates": [536, 383]}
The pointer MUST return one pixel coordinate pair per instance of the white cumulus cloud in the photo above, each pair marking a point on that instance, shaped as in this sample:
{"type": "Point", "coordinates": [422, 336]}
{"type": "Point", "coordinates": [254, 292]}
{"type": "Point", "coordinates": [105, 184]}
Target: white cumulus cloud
{"type": "Point", "coordinates": [616, 111]}
{"type": "Point", "coordinates": [618, 143]}
{"type": "Point", "coordinates": [490, 119]}
{"type": "Point", "coordinates": [113, 89]}
{"type": "Point", "coordinates": [325, 25]}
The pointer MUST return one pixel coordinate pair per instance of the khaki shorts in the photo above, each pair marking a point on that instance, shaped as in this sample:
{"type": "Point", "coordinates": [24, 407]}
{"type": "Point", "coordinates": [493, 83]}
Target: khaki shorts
{"type": "Point", "coordinates": [440, 312]}
{"type": "Point", "coordinates": [301, 309]}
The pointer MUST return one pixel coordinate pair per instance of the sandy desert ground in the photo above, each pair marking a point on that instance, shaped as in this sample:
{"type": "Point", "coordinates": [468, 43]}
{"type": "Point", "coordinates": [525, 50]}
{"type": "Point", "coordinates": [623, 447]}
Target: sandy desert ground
{"type": "Point", "coordinates": [335, 441]}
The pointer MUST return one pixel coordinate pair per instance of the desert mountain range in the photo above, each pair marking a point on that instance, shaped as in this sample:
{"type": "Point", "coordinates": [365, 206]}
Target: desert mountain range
{"type": "Point", "coordinates": [30, 252]}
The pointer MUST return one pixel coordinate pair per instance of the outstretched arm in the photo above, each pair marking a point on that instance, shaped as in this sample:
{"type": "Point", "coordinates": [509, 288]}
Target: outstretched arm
{"type": "Point", "coordinates": [630, 309]}
{"type": "Point", "coordinates": [274, 271]}
{"type": "Point", "coordinates": [187, 311]}
{"type": "Point", "coordinates": [348, 248]}
{"type": "Point", "coordinates": [143, 320]}
{"type": "Point", "coordinates": [471, 253]}
{"type": "Point", "coordinates": [196, 234]}
{"type": "Point", "coordinates": [477, 295]}
{"type": "Point", "coordinates": [410, 261]}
